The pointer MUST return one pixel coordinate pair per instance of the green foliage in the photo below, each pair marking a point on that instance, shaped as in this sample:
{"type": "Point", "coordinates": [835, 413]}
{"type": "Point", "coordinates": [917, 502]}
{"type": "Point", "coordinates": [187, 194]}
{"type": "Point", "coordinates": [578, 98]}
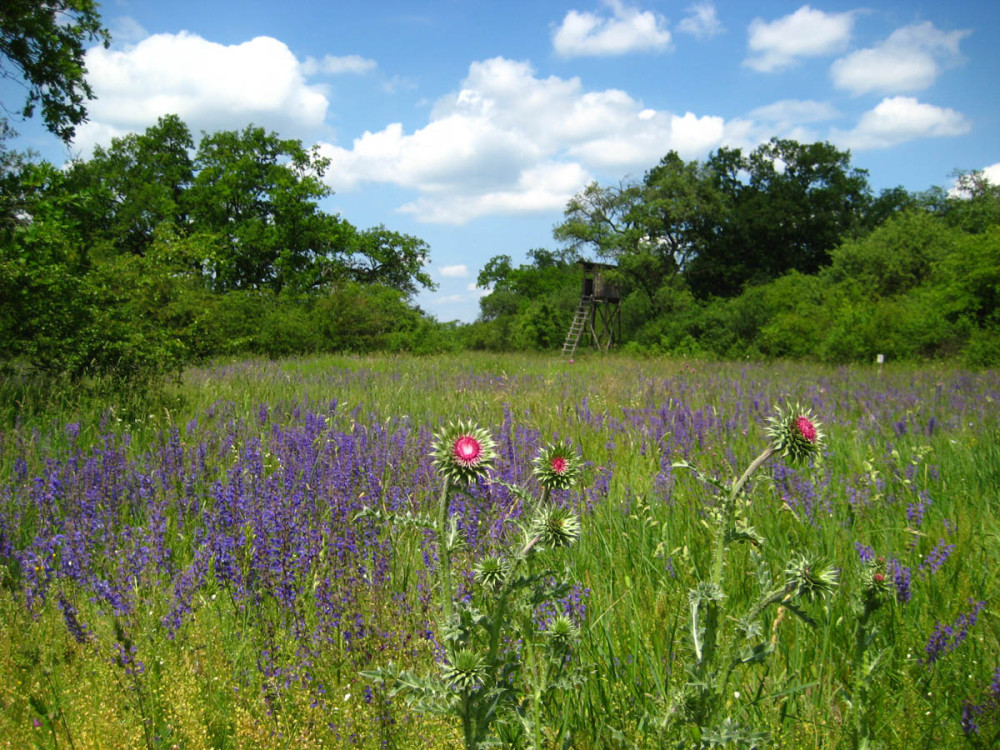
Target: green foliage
{"type": "Point", "coordinates": [259, 193]}
{"type": "Point", "coordinates": [381, 256]}
{"type": "Point", "coordinates": [44, 45]}
{"type": "Point", "coordinates": [894, 258]}
{"type": "Point", "coordinates": [143, 258]}
{"type": "Point", "coordinates": [916, 287]}
{"type": "Point", "coordinates": [135, 185]}
{"type": "Point", "coordinates": [529, 307]}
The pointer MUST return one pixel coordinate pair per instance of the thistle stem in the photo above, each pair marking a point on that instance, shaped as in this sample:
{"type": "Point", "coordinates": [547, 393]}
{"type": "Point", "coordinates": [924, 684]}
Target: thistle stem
{"type": "Point", "coordinates": [444, 554]}
{"type": "Point", "coordinates": [718, 557]}
{"type": "Point", "coordinates": [755, 464]}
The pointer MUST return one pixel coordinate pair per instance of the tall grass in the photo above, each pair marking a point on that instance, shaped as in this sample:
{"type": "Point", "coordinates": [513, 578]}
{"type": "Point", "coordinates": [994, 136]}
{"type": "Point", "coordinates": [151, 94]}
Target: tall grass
{"type": "Point", "coordinates": [188, 568]}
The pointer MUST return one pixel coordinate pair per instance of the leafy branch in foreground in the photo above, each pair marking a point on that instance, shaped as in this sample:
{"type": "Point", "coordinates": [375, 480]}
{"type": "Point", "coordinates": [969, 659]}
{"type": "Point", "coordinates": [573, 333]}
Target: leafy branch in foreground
{"type": "Point", "coordinates": [504, 661]}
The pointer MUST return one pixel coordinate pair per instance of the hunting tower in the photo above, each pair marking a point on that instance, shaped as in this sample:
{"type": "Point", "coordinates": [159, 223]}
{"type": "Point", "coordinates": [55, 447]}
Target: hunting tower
{"type": "Point", "coordinates": [598, 317]}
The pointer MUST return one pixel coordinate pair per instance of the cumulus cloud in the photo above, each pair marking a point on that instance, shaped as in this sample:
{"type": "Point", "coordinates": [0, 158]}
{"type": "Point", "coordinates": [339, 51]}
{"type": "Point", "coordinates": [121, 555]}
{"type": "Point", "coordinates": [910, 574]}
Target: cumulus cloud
{"type": "Point", "coordinates": [338, 65]}
{"type": "Point", "coordinates": [911, 59]}
{"type": "Point", "coordinates": [583, 33]}
{"type": "Point", "coordinates": [539, 189]}
{"type": "Point", "coordinates": [899, 119]}
{"type": "Point", "coordinates": [701, 21]}
{"type": "Point", "coordinates": [510, 142]}
{"type": "Point", "coordinates": [807, 32]}
{"type": "Point", "coordinates": [258, 81]}
{"type": "Point", "coordinates": [460, 271]}
{"type": "Point", "coordinates": [992, 173]}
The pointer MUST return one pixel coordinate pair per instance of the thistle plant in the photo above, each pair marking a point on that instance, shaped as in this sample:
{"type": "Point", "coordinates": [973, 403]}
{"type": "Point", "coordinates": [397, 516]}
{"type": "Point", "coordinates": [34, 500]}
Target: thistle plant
{"type": "Point", "coordinates": [501, 668]}
{"type": "Point", "coordinates": [876, 590]}
{"type": "Point", "coordinates": [722, 641]}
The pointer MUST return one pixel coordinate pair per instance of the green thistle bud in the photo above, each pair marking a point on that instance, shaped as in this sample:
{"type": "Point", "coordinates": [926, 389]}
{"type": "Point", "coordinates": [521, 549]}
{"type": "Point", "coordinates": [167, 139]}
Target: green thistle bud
{"type": "Point", "coordinates": [562, 633]}
{"type": "Point", "coordinates": [876, 584]}
{"type": "Point", "coordinates": [491, 572]}
{"type": "Point", "coordinates": [556, 527]}
{"type": "Point", "coordinates": [463, 452]}
{"type": "Point", "coordinates": [467, 671]}
{"type": "Point", "coordinates": [794, 433]}
{"type": "Point", "coordinates": [805, 578]}
{"type": "Point", "coordinates": [557, 467]}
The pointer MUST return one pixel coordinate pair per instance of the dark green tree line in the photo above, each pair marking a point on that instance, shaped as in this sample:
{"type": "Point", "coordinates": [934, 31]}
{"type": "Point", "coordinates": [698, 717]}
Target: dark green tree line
{"type": "Point", "coordinates": [122, 262]}
{"type": "Point", "coordinates": [782, 252]}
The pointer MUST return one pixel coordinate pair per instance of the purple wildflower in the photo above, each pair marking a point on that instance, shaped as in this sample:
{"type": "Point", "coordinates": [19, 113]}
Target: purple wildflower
{"type": "Point", "coordinates": [901, 580]}
{"type": "Point", "coordinates": [76, 629]}
{"type": "Point", "coordinates": [937, 557]}
{"type": "Point", "coordinates": [946, 638]}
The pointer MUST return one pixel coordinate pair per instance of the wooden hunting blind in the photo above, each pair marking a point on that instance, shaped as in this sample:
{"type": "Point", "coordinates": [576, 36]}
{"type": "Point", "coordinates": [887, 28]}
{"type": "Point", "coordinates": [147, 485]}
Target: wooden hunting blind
{"type": "Point", "coordinates": [598, 317]}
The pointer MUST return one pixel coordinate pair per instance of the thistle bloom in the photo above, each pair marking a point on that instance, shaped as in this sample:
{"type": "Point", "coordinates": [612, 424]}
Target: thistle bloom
{"type": "Point", "coordinates": [557, 467]}
{"type": "Point", "coordinates": [794, 433]}
{"type": "Point", "coordinates": [463, 452]}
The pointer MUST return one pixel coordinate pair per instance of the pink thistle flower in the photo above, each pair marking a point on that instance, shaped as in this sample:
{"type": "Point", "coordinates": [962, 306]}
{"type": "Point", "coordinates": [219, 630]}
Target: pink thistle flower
{"type": "Point", "coordinates": [463, 452]}
{"type": "Point", "coordinates": [557, 467]}
{"type": "Point", "coordinates": [806, 428]}
{"type": "Point", "coordinates": [467, 450]}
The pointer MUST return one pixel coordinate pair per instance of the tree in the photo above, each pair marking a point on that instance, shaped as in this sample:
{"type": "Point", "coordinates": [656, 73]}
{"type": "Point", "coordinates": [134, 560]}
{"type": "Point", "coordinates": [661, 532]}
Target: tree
{"type": "Point", "coordinates": [789, 205]}
{"type": "Point", "coordinates": [603, 220]}
{"type": "Point", "coordinates": [260, 194]}
{"type": "Point", "coordinates": [42, 43]}
{"type": "Point", "coordinates": [974, 203]}
{"type": "Point", "coordinates": [528, 307]}
{"type": "Point", "coordinates": [381, 256]}
{"type": "Point", "coordinates": [138, 183]}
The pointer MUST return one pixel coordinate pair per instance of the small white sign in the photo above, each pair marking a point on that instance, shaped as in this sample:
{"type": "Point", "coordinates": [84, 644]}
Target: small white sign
{"type": "Point", "coordinates": [879, 358]}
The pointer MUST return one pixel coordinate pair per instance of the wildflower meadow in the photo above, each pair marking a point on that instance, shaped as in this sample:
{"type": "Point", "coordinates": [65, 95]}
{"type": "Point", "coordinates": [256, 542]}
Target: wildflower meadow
{"type": "Point", "coordinates": [504, 551]}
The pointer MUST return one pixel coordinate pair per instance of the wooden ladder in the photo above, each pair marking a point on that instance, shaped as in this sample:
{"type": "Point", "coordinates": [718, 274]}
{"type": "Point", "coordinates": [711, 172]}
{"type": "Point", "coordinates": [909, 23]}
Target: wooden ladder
{"type": "Point", "coordinates": [576, 327]}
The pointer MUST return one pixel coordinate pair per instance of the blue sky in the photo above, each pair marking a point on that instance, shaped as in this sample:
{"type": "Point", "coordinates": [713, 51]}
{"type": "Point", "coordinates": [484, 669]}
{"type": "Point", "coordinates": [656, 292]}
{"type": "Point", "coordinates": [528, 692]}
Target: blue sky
{"type": "Point", "coordinates": [471, 123]}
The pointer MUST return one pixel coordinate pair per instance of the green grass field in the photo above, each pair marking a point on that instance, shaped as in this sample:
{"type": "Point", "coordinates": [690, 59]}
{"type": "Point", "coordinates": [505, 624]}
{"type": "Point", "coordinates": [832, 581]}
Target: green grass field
{"type": "Point", "coordinates": [189, 568]}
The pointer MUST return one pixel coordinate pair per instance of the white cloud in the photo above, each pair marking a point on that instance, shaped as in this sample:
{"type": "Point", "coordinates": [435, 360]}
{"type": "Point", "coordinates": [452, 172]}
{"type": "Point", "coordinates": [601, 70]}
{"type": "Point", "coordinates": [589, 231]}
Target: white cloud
{"type": "Point", "coordinates": [911, 59]}
{"type": "Point", "coordinates": [332, 65]}
{"type": "Point", "coordinates": [701, 21]}
{"type": "Point", "coordinates": [583, 33]}
{"type": "Point", "coordinates": [540, 189]}
{"type": "Point", "coordinates": [509, 142]}
{"type": "Point", "coordinates": [460, 271]}
{"type": "Point", "coordinates": [644, 140]}
{"type": "Point", "coordinates": [210, 86]}
{"type": "Point", "coordinates": [992, 173]}
{"type": "Point", "coordinates": [805, 33]}
{"type": "Point", "coordinates": [899, 119]}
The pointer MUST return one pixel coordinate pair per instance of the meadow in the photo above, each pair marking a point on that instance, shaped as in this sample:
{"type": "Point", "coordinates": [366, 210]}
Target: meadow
{"type": "Point", "coordinates": [238, 562]}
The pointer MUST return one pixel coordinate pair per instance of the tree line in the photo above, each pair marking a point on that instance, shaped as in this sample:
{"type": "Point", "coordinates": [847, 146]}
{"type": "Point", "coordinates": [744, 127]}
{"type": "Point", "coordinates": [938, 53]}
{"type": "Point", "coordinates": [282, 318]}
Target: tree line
{"type": "Point", "coordinates": [784, 251]}
{"type": "Point", "coordinates": [157, 251]}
